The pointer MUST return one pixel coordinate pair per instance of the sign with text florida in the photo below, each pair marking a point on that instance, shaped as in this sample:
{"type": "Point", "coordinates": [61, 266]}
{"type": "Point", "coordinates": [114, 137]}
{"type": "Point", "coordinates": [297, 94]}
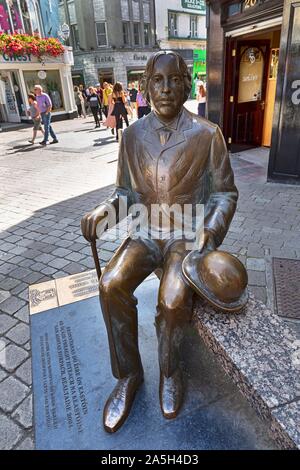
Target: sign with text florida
{"type": "Point", "coordinates": [194, 5]}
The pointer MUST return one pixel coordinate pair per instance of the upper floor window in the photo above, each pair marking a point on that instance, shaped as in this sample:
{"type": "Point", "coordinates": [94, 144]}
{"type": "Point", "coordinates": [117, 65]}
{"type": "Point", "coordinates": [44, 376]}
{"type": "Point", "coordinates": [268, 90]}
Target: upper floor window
{"type": "Point", "coordinates": [126, 33]}
{"type": "Point", "coordinates": [136, 34]}
{"type": "Point", "coordinates": [173, 24]}
{"type": "Point", "coordinates": [146, 34]}
{"type": "Point", "coordinates": [136, 10]}
{"type": "Point", "coordinates": [74, 35]}
{"type": "Point", "coordinates": [101, 34]}
{"type": "Point", "coordinates": [193, 26]}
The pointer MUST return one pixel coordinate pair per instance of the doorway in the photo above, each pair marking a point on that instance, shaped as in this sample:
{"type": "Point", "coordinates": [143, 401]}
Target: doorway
{"type": "Point", "coordinates": [18, 93]}
{"type": "Point", "coordinates": [106, 75]}
{"type": "Point", "coordinates": [251, 73]}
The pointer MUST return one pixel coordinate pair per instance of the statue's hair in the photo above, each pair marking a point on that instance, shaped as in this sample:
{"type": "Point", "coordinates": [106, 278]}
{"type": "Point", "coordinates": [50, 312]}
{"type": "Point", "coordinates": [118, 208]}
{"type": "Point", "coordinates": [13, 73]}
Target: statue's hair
{"type": "Point", "coordinates": [182, 69]}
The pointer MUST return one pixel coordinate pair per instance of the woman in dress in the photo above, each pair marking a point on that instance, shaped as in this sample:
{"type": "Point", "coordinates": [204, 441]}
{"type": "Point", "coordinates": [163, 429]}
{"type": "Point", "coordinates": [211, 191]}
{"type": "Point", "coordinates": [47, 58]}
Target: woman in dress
{"type": "Point", "coordinates": [119, 111]}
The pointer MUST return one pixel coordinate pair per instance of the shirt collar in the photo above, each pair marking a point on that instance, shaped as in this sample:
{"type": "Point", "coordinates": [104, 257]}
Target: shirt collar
{"type": "Point", "coordinates": [173, 125]}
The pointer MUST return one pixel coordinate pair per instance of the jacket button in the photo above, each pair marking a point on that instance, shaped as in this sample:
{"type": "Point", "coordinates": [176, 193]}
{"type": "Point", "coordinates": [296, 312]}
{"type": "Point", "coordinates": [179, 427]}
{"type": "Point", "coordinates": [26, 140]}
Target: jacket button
{"type": "Point", "coordinates": [162, 178]}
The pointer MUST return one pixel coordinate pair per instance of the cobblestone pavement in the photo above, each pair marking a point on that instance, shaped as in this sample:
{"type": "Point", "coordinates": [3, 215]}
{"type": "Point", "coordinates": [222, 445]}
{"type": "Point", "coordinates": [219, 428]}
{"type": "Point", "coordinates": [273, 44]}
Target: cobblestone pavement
{"type": "Point", "coordinates": [44, 193]}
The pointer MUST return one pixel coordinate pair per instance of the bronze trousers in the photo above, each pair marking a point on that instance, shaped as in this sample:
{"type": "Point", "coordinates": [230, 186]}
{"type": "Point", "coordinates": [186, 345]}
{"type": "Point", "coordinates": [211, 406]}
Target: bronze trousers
{"type": "Point", "coordinates": [134, 261]}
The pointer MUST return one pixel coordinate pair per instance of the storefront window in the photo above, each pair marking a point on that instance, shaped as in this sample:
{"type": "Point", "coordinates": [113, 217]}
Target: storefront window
{"type": "Point", "coordinates": [5, 26]}
{"type": "Point", "coordinates": [51, 84]}
{"type": "Point", "coordinates": [20, 16]}
{"type": "Point", "coordinates": [15, 16]}
{"type": "Point", "coordinates": [25, 16]}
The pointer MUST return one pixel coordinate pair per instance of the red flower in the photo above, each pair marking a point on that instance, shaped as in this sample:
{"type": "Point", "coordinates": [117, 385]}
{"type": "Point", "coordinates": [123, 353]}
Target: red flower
{"type": "Point", "coordinates": [20, 44]}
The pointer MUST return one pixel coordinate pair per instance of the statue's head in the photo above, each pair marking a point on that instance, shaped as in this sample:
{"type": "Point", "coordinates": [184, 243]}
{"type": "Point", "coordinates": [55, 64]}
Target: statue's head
{"type": "Point", "coordinates": [166, 83]}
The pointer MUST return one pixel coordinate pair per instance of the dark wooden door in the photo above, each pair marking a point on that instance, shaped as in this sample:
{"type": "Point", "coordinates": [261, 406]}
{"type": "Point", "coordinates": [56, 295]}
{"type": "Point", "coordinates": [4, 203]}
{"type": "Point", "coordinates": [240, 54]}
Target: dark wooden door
{"type": "Point", "coordinates": [251, 85]}
{"type": "Point", "coordinates": [246, 84]}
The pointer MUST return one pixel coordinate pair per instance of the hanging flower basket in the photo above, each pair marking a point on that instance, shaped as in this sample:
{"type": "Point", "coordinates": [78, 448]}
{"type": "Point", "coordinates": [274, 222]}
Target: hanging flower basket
{"type": "Point", "coordinates": [23, 44]}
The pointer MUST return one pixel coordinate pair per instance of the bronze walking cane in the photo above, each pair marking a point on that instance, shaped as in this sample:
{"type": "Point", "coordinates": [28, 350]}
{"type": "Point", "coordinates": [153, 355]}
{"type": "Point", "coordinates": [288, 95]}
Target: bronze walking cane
{"type": "Point", "coordinates": [96, 259]}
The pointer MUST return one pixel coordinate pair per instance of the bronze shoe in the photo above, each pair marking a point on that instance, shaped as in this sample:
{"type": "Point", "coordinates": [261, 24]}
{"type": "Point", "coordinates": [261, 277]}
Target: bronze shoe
{"type": "Point", "coordinates": [118, 405]}
{"type": "Point", "coordinates": [171, 394]}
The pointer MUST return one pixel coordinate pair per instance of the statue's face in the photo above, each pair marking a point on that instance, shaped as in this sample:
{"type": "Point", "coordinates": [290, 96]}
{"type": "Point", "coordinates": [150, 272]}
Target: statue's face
{"type": "Point", "coordinates": [166, 88]}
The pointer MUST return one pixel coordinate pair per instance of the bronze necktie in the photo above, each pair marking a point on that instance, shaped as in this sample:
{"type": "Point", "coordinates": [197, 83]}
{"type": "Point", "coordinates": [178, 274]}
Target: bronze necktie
{"type": "Point", "coordinates": [164, 136]}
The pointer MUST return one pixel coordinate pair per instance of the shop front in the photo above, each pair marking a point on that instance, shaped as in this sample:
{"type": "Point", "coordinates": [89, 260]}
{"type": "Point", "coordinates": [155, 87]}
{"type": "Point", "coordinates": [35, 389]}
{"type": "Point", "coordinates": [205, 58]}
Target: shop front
{"type": "Point", "coordinates": [19, 74]}
{"type": "Point", "coordinates": [253, 67]}
{"type": "Point", "coordinates": [112, 66]}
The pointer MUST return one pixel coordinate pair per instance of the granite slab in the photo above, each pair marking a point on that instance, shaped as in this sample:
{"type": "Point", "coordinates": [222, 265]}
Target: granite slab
{"type": "Point", "coordinates": [261, 354]}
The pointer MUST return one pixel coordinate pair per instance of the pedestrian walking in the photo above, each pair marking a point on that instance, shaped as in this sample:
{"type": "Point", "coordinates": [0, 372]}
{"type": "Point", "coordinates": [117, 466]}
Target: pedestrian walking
{"type": "Point", "coordinates": [143, 107]}
{"type": "Point", "coordinates": [99, 92]}
{"type": "Point", "coordinates": [201, 98]}
{"type": "Point", "coordinates": [119, 110]}
{"type": "Point", "coordinates": [79, 100]}
{"type": "Point", "coordinates": [95, 105]}
{"type": "Point", "coordinates": [107, 92]}
{"type": "Point", "coordinates": [110, 120]}
{"type": "Point", "coordinates": [35, 115]}
{"type": "Point", "coordinates": [45, 107]}
{"type": "Point", "coordinates": [133, 94]}
{"type": "Point", "coordinates": [84, 96]}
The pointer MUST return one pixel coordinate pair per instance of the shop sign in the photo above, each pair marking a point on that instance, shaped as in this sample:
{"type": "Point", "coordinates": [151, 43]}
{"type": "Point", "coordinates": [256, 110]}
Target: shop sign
{"type": "Point", "coordinates": [104, 59]}
{"type": "Point", "coordinates": [194, 5]}
{"type": "Point", "coordinates": [140, 57]}
{"type": "Point", "coordinates": [16, 58]}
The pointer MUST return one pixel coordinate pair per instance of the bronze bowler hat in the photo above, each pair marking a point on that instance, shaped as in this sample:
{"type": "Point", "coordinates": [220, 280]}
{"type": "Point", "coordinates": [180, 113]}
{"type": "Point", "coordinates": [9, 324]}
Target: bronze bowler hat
{"type": "Point", "coordinates": [219, 277]}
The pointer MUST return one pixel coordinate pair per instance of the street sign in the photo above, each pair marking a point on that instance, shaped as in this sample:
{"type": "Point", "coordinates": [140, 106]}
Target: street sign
{"type": "Point", "coordinates": [199, 5]}
{"type": "Point", "coordinates": [65, 32]}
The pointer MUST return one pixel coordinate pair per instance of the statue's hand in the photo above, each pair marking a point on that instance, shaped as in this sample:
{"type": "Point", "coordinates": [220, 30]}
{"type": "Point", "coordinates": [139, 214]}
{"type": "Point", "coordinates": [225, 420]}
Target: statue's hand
{"type": "Point", "coordinates": [207, 243]}
{"type": "Point", "coordinates": [90, 221]}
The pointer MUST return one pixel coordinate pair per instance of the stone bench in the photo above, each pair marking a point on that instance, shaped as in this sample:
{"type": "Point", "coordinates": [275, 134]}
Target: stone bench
{"type": "Point", "coordinates": [256, 348]}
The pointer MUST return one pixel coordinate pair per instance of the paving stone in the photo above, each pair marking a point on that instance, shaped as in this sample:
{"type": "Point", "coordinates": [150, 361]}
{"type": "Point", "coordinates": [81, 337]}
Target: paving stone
{"type": "Point", "coordinates": [3, 374]}
{"type": "Point", "coordinates": [23, 314]}
{"type": "Point", "coordinates": [7, 268]}
{"type": "Point", "coordinates": [19, 334]}
{"type": "Point", "coordinates": [260, 293]}
{"type": "Point", "coordinates": [20, 273]}
{"type": "Point", "coordinates": [10, 433]}
{"type": "Point", "coordinates": [12, 305]}
{"type": "Point", "coordinates": [33, 278]}
{"type": "Point", "coordinates": [58, 263]}
{"type": "Point", "coordinates": [12, 392]}
{"type": "Point", "coordinates": [49, 271]}
{"type": "Point", "coordinates": [24, 294]}
{"type": "Point", "coordinates": [75, 256]}
{"type": "Point", "coordinates": [256, 278]}
{"type": "Point", "coordinates": [74, 268]}
{"type": "Point", "coordinates": [45, 258]}
{"type": "Point", "coordinates": [6, 322]}
{"type": "Point", "coordinates": [9, 283]}
{"type": "Point", "coordinates": [27, 444]}
{"type": "Point", "coordinates": [23, 414]}
{"type": "Point", "coordinates": [24, 372]}
{"type": "Point", "coordinates": [61, 252]}
{"type": "Point", "coordinates": [256, 264]}
{"type": "Point", "coordinates": [4, 295]}
{"type": "Point", "coordinates": [12, 357]}
{"type": "Point", "coordinates": [64, 243]}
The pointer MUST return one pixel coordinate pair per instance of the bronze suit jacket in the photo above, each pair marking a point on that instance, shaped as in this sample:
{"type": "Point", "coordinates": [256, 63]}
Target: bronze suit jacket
{"type": "Point", "coordinates": [192, 167]}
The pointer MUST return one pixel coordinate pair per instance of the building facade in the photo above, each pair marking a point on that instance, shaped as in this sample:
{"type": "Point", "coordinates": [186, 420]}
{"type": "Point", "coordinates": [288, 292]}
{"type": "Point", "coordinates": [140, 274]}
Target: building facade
{"type": "Point", "coordinates": [19, 73]}
{"type": "Point", "coordinates": [254, 79]}
{"type": "Point", "coordinates": [181, 27]}
{"type": "Point", "coordinates": [112, 39]}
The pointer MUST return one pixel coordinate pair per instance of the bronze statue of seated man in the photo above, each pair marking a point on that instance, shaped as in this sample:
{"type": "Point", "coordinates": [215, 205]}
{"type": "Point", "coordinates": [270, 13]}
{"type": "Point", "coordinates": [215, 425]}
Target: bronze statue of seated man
{"type": "Point", "coordinates": [169, 157]}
